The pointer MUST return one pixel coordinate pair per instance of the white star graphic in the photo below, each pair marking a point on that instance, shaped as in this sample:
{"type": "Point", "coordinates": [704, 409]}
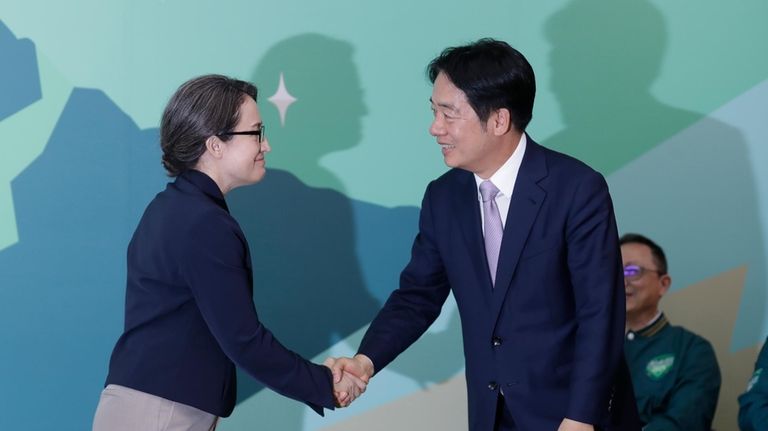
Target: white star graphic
{"type": "Point", "coordinates": [282, 99]}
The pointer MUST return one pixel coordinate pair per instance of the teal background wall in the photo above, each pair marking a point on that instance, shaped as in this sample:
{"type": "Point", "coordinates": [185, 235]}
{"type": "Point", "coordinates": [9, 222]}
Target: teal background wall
{"type": "Point", "coordinates": [667, 99]}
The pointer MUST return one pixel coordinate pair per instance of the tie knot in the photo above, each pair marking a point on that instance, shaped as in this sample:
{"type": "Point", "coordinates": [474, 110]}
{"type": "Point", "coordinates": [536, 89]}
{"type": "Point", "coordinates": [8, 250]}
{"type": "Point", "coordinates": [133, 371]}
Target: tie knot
{"type": "Point", "coordinates": [488, 190]}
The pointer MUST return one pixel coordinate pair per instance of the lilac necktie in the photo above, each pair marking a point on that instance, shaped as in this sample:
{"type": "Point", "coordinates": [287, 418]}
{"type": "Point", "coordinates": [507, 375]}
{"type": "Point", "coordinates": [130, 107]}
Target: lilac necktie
{"type": "Point", "coordinates": [493, 227]}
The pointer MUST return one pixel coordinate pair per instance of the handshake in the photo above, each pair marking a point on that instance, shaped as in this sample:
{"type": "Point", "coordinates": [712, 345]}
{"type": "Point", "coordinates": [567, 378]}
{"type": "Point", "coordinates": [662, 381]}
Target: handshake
{"type": "Point", "coordinates": [350, 377]}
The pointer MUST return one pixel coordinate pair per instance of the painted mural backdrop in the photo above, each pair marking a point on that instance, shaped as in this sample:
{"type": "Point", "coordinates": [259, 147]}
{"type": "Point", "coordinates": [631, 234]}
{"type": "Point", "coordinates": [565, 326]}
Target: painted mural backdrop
{"type": "Point", "coordinates": [668, 100]}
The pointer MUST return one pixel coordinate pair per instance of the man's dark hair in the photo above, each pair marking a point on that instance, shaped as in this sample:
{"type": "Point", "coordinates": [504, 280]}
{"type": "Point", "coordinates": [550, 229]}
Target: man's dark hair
{"type": "Point", "coordinates": [202, 107]}
{"type": "Point", "coordinates": [656, 251]}
{"type": "Point", "coordinates": [493, 75]}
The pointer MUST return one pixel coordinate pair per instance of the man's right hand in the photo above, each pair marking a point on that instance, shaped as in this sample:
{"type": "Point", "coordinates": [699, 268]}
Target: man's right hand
{"type": "Point", "coordinates": [360, 366]}
{"type": "Point", "coordinates": [357, 370]}
{"type": "Point", "coordinates": [348, 389]}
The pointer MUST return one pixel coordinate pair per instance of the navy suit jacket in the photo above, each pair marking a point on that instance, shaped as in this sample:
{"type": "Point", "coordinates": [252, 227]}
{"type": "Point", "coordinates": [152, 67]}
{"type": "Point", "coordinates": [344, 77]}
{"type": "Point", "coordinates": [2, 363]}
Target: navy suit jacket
{"type": "Point", "coordinates": [549, 335]}
{"type": "Point", "coordinates": [189, 312]}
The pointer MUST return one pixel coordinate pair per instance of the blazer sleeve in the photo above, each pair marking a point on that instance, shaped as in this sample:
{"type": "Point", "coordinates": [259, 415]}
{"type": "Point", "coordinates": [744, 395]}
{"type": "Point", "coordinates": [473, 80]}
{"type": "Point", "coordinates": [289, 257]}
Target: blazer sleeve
{"type": "Point", "coordinates": [412, 308]}
{"type": "Point", "coordinates": [216, 271]}
{"type": "Point", "coordinates": [594, 264]}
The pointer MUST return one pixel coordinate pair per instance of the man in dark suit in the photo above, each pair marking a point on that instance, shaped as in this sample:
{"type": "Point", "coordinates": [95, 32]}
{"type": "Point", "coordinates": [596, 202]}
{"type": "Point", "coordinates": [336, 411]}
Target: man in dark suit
{"type": "Point", "coordinates": [526, 240]}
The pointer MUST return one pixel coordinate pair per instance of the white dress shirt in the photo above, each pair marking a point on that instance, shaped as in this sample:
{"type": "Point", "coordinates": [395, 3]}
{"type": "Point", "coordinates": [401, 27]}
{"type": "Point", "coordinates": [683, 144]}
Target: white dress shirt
{"type": "Point", "coordinates": [504, 179]}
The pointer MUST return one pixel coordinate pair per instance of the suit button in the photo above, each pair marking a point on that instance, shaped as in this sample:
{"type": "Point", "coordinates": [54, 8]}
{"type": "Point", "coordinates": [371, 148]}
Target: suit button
{"type": "Point", "coordinates": [496, 341]}
{"type": "Point", "coordinates": [492, 386]}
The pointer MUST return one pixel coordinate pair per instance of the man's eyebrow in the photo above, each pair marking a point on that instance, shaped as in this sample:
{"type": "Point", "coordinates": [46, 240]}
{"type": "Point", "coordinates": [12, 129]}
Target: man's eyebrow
{"type": "Point", "coordinates": [444, 105]}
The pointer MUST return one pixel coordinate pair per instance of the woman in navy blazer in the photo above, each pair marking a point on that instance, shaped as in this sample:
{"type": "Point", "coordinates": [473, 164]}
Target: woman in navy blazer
{"type": "Point", "coordinates": [189, 317]}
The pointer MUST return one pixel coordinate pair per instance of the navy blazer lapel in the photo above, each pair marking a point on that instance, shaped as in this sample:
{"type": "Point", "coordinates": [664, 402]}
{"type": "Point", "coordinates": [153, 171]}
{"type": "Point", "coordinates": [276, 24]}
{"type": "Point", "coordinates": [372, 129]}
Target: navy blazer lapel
{"type": "Point", "coordinates": [524, 206]}
{"type": "Point", "coordinates": [467, 209]}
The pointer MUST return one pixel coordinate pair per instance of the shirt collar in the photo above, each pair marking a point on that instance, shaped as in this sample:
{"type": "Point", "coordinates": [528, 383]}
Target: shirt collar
{"type": "Point", "coordinates": [504, 178]}
{"type": "Point", "coordinates": [654, 326]}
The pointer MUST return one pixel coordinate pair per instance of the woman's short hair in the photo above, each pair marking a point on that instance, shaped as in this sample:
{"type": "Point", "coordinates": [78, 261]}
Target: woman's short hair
{"type": "Point", "coordinates": [202, 107]}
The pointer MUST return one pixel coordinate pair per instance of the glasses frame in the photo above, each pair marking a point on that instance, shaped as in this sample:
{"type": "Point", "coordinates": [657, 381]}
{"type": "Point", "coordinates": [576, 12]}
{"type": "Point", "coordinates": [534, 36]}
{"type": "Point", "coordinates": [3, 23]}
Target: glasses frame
{"type": "Point", "coordinates": [261, 133]}
{"type": "Point", "coordinates": [641, 272]}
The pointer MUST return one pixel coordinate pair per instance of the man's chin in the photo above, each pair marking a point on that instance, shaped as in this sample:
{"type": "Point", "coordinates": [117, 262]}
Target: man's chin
{"type": "Point", "coordinates": [448, 160]}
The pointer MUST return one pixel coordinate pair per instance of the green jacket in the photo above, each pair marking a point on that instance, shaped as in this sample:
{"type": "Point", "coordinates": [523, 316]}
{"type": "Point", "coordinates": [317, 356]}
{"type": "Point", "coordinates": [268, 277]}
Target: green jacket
{"type": "Point", "coordinates": [753, 404]}
{"type": "Point", "coordinates": [675, 376]}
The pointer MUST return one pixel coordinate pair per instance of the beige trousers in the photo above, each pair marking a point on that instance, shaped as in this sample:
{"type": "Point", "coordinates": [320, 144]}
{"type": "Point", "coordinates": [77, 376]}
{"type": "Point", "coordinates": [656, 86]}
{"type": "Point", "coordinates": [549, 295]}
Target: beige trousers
{"type": "Point", "coordinates": [126, 409]}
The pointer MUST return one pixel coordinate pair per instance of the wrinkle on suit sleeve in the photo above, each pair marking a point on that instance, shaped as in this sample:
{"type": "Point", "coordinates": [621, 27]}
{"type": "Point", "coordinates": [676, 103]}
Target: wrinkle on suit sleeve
{"type": "Point", "coordinates": [220, 280]}
{"type": "Point", "coordinates": [412, 308]}
{"type": "Point", "coordinates": [594, 262]}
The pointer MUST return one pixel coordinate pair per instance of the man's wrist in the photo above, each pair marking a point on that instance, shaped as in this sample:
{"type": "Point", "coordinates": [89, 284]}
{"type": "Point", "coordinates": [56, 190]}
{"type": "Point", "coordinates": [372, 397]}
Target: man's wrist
{"type": "Point", "coordinates": [366, 364]}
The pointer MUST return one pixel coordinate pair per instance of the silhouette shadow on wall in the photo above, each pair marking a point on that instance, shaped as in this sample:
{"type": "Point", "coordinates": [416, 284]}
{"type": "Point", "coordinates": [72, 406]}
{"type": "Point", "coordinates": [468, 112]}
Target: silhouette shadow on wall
{"type": "Point", "coordinates": [323, 263]}
{"type": "Point", "coordinates": [602, 79]}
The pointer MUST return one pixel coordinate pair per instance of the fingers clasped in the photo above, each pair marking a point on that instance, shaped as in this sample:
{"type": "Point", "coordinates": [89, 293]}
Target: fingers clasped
{"type": "Point", "coordinates": [350, 377]}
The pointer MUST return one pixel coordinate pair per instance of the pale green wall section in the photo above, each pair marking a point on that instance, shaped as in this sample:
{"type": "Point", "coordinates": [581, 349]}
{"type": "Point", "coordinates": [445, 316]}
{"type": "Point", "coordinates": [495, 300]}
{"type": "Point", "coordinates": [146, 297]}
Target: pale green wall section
{"type": "Point", "coordinates": [137, 52]}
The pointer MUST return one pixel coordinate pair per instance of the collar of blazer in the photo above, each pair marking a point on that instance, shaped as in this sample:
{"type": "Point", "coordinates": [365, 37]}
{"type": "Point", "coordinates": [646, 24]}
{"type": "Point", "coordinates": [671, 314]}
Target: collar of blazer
{"type": "Point", "coordinates": [195, 181]}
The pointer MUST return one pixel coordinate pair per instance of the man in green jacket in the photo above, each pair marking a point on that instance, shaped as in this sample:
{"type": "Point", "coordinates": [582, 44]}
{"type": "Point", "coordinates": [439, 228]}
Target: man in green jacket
{"type": "Point", "coordinates": [753, 404]}
{"type": "Point", "coordinates": [674, 371]}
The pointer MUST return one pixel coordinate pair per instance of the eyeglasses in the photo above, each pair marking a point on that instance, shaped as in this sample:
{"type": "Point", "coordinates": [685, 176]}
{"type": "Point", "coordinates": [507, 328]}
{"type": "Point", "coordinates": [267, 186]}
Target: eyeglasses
{"type": "Point", "coordinates": [261, 133]}
{"type": "Point", "coordinates": [634, 272]}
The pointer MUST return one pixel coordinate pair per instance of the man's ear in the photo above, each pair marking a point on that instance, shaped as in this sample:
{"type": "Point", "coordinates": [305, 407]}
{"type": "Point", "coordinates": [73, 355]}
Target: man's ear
{"type": "Point", "coordinates": [666, 282]}
{"type": "Point", "coordinates": [500, 121]}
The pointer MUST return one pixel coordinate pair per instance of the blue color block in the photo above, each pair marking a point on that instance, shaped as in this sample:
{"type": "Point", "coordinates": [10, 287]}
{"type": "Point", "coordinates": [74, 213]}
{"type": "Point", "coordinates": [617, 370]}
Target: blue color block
{"type": "Point", "coordinates": [19, 76]}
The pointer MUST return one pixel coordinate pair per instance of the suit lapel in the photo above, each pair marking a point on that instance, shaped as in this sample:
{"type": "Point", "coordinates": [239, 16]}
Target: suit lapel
{"type": "Point", "coordinates": [524, 206]}
{"type": "Point", "coordinates": [467, 209]}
